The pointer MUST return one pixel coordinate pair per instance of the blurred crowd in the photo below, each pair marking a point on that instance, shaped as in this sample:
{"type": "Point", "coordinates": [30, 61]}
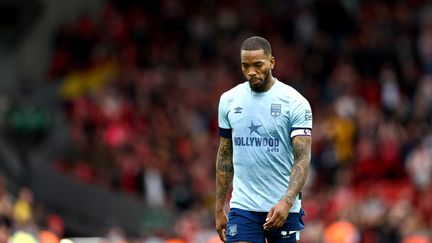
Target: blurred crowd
{"type": "Point", "coordinates": [140, 85]}
{"type": "Point", "coordinates": [22, 221]}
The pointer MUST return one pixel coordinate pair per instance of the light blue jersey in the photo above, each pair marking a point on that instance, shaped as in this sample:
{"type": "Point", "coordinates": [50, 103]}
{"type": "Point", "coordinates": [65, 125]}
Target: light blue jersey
{"type": "Point", "coordinates": [261, 126]}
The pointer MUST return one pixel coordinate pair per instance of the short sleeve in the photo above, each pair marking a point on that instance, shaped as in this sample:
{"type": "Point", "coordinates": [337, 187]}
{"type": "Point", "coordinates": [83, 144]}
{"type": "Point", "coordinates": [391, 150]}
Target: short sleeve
{"type": "Point", "coordinates": [301, 123]}
{"type": "Point", "coordinates": [223, 122]}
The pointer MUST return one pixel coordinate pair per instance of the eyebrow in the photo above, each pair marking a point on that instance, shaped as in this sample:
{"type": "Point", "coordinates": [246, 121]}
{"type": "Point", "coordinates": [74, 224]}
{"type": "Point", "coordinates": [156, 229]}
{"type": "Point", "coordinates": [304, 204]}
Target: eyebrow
{"type": "Point", "coordinates": [254, 63]}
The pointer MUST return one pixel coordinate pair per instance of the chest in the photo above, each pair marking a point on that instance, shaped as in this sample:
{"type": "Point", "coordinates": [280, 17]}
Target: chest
{"type": "Point", "coordinates": [262, 117]}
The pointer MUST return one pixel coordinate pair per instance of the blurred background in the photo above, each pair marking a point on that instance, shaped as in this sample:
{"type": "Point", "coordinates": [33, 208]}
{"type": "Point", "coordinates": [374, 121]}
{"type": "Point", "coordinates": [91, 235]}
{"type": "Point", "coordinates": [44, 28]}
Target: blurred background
{"type": "Point", "coordinates": [108, 115]}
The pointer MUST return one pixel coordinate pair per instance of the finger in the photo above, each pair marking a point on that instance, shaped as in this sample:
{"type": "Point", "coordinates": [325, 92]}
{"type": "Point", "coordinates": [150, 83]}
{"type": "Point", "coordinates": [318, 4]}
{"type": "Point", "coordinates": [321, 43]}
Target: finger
{"type": "Point", "coordinates": [279, 222]}
{"type": "Point", "coordinates": [276, 221]}
{"type": "Point", "coordinates": [221, 234]}
{"type": "Point", "coordinates": [272, 224]}
{"type": "Point", "coordinates": [272, 219]}
{"type": "Point", "coordinates": [269, 218]}
{"type": "Point", "coordinates": [270, 214]}
{"type": "Point", "coordinates": [268, 227]}
{"type": "Point", "coordinates": [269, 224]}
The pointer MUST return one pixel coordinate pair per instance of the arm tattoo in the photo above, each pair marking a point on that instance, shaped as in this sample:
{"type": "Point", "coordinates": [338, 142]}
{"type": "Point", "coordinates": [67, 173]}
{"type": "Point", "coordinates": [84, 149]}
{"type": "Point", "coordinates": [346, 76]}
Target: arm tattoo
{"type": "Point", "coordinates": [224, 171]}
{"type": "Point", "coordinates": [299, 172]}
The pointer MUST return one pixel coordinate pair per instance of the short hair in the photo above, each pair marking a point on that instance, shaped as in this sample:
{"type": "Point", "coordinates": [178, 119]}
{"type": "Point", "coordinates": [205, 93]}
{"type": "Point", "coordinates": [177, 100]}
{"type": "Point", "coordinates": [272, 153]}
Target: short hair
{"type": "Point", "coordinates": [256, 43]}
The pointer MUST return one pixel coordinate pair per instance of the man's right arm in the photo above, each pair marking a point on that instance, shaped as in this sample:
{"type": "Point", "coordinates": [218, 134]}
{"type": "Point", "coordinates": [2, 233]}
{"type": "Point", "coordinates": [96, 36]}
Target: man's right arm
{"type": "Point", "coordinates": [224, 177]}
{"type": "Point", "coordinates": [224, 172]}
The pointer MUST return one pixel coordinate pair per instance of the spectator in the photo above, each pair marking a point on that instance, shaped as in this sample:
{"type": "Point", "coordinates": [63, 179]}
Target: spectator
{"type": "Point", "coordinates": [53, 231]}
{"type": "Point", "coordinates": [23, 208]}
{"type": "Point", "coordinates": [341, 232]}
{"type": "Point", "coordinates": [6, 205]}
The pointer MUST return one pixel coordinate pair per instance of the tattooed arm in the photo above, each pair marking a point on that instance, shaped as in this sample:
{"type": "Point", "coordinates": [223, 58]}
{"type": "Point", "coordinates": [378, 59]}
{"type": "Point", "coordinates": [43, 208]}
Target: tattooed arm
{"type": "Point", "coordinates": [224, 172]}
{"type": "Point", "coordinates": [224, 177]}
{"type": "Point", "coordinates": [300, 169]}
{"type": "Point", "coordinates": [299, 172]}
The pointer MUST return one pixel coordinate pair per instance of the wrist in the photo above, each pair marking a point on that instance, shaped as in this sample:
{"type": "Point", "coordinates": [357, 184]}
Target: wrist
{"type": "Point", "coordinates": [288, 201]}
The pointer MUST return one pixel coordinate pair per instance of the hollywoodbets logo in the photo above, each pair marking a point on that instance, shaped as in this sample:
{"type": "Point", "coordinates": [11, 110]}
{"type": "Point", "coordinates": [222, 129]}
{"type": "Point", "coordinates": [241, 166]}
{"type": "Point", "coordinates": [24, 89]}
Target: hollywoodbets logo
{"type": "Point", "coordinates": [254, 141]}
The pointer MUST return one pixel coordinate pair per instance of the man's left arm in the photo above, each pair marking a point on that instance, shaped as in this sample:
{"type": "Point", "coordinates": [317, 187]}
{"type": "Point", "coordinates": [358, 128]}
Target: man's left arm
{"type": "Point", "coordinates": [302, 155]}
{"type": "Point", "coordinates": [300, 169]}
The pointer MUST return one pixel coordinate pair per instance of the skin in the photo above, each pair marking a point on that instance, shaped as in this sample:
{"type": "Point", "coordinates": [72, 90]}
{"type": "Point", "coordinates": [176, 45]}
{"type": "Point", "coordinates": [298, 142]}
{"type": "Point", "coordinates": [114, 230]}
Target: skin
{"type": "Point", "coordinates": [224, 177]}
{"type": "Point", "coordinates": [257, 67]}
{"type": "Point", "coordinates": [300, 170]}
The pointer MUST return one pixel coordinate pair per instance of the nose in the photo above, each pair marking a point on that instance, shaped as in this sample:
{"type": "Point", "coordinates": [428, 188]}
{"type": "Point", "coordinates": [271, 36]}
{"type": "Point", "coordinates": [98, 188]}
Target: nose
{"type": "Point", "coordinates": [251, 72]}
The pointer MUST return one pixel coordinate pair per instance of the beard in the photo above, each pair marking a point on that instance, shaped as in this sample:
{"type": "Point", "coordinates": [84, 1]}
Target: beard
{"type": "Point", "coordinates": [260, 85]}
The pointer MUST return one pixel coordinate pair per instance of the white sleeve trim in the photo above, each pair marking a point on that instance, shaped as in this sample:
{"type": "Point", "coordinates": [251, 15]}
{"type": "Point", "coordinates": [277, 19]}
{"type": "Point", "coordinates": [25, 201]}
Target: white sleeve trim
{"type": "Point", "coordinates": [301, 132]}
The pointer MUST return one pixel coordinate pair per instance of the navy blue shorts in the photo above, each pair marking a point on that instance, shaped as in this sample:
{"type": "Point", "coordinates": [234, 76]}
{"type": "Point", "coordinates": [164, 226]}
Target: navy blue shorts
{"type": "Point", "coordinates": [248, 226]}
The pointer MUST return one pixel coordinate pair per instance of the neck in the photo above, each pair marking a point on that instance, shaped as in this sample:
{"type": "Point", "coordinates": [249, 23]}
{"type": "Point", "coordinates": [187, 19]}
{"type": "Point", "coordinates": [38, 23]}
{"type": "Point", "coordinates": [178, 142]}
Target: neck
{"type": "Point", "coordinates": [270, 83]}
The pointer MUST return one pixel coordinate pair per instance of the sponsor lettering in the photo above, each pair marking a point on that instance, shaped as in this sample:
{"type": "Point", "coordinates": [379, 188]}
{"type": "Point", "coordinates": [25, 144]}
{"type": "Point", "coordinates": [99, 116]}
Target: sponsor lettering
{"type": "Point", "coordinates": [256, 142]}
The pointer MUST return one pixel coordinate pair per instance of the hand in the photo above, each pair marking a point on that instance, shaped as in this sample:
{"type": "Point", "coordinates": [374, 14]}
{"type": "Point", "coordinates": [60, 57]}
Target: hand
{"type": "Point", "coordinates": [277, 215]}
{"type": "Point", "coordinates": [221, 222]}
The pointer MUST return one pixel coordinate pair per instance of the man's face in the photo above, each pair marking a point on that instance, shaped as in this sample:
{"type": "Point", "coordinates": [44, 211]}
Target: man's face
{"type": "Point", "coordinates": [256, 67]}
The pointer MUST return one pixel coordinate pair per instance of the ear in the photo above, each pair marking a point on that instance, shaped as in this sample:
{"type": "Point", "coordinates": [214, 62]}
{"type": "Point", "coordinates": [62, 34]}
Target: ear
{"type": "Point", "coordinates": [272, 62]}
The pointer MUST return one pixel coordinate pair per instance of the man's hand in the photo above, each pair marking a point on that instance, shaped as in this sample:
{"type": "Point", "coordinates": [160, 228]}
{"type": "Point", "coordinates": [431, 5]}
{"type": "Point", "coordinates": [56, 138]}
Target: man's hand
{"type": "Point", "coordinates": [277, 215]}
{"type": "Point", "coordinates": [221, 222]}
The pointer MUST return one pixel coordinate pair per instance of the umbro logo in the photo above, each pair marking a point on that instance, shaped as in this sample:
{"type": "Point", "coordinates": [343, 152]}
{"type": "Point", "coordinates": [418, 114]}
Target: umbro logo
{"type": "Point", "coordinates": [238, 110]}
{"type": "Point", "coordinates": [285, 234]}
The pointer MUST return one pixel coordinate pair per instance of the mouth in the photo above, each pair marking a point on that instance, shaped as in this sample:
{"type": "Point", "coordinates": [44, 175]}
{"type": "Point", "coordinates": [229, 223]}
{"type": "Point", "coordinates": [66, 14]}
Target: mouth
{"type": "Point", "coordinates": [254, 81]}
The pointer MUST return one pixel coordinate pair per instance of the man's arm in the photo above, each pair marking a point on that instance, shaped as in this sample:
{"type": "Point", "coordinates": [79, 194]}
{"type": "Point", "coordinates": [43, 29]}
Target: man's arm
{"type": "Point", "coordinates": [224, 172]}
{"type": "Point", "coordinates": [224, 177]}
{"type": "Point", "coordinates": [299, 172]}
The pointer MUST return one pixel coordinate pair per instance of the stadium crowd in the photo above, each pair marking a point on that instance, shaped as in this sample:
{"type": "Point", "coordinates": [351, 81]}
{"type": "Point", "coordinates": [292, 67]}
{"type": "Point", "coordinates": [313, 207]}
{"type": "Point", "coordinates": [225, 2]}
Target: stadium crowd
{"type": "Point", "coordinates": [22, 221]}
{"type": "Point", "coordinates": [140, 85]}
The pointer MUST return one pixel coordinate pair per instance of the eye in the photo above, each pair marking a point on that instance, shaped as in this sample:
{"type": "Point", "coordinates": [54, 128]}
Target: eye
{"type": "Point", "coordinates": [258, 65]}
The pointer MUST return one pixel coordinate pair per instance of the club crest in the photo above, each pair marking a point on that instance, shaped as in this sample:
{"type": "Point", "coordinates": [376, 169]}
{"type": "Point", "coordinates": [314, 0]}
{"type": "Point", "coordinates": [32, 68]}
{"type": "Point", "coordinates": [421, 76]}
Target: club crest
{"type": "Point", "coordinates": [232, 230]}
{"type": "Point", "coordinates": [275, 109]}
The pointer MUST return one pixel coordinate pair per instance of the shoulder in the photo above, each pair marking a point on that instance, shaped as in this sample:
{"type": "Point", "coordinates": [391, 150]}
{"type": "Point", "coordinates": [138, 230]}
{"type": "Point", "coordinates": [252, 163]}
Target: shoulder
{"type": "Point", "coordinates": [290, 93]}
{"type": "Point", "coordinates": [234, 92]}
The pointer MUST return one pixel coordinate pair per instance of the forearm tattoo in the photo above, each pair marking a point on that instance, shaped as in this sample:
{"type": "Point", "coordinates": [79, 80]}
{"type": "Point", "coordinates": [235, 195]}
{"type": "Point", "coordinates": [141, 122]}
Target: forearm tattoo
{"type": "Point", "coordinates": [224, 171]}
{"type": "Point", "coordinates": [299, 172]}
